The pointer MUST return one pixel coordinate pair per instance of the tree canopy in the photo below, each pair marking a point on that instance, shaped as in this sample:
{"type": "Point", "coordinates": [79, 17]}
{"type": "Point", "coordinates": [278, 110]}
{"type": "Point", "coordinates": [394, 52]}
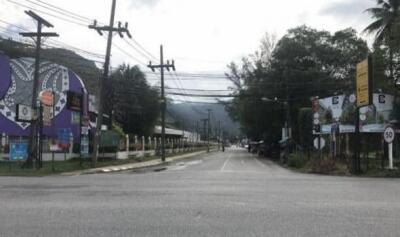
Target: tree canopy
{"type": "Point", "coordinates": [135, 103]}
{"type": "Point", "coordinates": [304, 63]}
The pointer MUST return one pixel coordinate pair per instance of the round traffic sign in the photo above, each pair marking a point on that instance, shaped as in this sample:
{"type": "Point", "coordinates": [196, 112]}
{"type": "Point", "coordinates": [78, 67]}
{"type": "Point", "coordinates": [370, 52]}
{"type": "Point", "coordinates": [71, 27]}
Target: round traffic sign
{"type": "Point", "coordinates": [363, 117]}
{"type": "Point", "coordinates": [322, 143]}
{"type": "Point", "coordinates": [352, 98]}
{"type": "Point", "coordinates": [389, 135]}
{"type": "Point", "coordinates": [46, 97]}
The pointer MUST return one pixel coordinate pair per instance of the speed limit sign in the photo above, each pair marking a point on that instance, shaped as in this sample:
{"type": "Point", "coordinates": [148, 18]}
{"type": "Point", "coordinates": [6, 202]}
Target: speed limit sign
{"type": "Point", "coordinates": [389, 134]}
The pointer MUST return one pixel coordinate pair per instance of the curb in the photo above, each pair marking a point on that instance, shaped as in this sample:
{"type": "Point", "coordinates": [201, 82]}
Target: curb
{"type": "Point", "coordinates": [118, 168]}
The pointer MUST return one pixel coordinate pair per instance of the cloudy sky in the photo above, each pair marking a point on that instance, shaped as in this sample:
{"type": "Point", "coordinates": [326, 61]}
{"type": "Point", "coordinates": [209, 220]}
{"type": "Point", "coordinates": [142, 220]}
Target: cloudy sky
{"type": "Point", "coordinates": [202, 36]}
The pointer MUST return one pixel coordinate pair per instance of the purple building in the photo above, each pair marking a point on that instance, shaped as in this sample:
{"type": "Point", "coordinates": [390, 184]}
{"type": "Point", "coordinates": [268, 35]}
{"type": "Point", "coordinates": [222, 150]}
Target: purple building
{"type": "Point", "coordinates": [16, 82]}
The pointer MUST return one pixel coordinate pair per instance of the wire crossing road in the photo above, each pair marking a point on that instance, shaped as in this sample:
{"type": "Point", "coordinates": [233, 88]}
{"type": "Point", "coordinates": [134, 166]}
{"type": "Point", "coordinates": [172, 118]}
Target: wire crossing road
{"type": "Point", "coordinates": [220, 194]}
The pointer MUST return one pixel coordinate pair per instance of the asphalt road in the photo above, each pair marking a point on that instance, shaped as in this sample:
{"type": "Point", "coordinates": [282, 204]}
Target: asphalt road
{"type": "Point", "coordinates": [222, 194]}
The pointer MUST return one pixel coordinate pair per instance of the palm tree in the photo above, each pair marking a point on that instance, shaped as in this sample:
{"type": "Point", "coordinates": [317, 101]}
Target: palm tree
{"type": "Point", "coordinates": [386, 15]}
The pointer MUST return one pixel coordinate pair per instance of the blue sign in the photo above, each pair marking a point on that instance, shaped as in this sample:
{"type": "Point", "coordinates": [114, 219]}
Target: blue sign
{"type": "Point", "coordinates": [63, 136]}
{"type": "Point", "coordinates": [18, 151]}
{"type": "Point", "coordinates": [85, 146]}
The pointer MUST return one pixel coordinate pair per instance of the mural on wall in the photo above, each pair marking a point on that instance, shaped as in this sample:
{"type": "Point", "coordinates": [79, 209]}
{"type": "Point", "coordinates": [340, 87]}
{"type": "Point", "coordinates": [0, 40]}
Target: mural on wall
{"type": "Point", "coordinates": [16, 82]}
{"type": "Point", "coordinates": [338, 113]}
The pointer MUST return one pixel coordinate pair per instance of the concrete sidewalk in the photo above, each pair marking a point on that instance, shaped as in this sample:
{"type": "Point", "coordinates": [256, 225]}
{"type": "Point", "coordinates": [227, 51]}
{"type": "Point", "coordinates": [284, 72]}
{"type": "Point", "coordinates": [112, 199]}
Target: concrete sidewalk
{"type": "Point", "coordinates": [117, 168]}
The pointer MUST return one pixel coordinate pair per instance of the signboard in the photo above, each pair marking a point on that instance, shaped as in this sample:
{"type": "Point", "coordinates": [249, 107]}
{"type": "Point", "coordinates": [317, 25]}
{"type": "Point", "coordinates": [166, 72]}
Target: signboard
{"type": "Point", "coordinates": [24, 113]}
{"type": "Point", "coordinates": [85, 130]}
{"type": "Point", "coordinates": [46, 97]}
{"type": "Point", "coordinates": [316, 143]}
{"type": "Point", "coordinates": [109, 139]}
{"type": "Point", "coordinates": [74, 101]}
{"type": "Point", "coordinates": [340, 112]}
{"type": "Point", "coordinates": [85, 146]}
{"type": "Point", "coordinates": [93, 107]}
{"type": "Point", "coordinates": [18, 151]}
{"type": "Point", "coordinates": [75, 118]}
{"type": "Point", "coordinates": [85, 121]}
{"type": "Point", "coordinates": [389, 134]}
{"type": "Point", "coordinates": [63, 136]}
{"type": "Point", "coordinates": [47, 115]}
{"type": "Point", "coordinates": [363, 83]}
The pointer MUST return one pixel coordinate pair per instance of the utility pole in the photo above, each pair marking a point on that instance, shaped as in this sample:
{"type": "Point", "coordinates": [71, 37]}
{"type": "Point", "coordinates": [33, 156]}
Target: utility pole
{"type": "Point", "coordinates": [204, 130]}
{"type": "Point", "coordinates": [33, 151]}
{"type": "Point", "coordinates": [110, 29]}
{"type": "Point", "coordinates": [219, 134]}
{"type": "Point", "coordinates": [161, 66]}
{"type": "Point", "coordinates": [197, 131]}
{"type": "Point", "coordinates": [208, 129]}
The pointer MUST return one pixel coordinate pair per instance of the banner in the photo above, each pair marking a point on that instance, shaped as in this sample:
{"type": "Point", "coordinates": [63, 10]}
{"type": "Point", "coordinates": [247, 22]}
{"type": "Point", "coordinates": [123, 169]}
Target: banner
{"type": "Point", "coordinates": [337, 114]}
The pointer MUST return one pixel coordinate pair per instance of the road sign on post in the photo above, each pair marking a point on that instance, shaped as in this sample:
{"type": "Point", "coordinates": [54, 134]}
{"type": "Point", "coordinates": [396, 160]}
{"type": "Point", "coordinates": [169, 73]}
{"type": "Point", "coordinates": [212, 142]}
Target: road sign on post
{"type": "Point", "coordinates": [389, 135]}
{"type": "Point", "coordinates": [364, 98]}
{"type": "Point", "coordinates": [364, 83]}
{"type": "Point", "coordinates": [319, 144]}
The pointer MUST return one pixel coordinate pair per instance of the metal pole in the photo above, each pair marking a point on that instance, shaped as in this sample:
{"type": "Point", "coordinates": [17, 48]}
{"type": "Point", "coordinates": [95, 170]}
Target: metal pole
{"type": "Point", "coordinates": [208, 130]}
{"type": "Point", "coordinates": [219, 135]}
{"type": "Point", "coordinates": [390, 152]}
{"type": "Point", "coordinates": [356, 155]}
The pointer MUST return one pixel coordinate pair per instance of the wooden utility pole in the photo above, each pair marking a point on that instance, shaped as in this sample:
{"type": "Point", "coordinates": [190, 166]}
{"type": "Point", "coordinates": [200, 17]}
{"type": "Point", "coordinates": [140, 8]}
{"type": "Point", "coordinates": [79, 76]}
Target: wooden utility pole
{"type": "Point", "coordinates": [33, 151]}
{"type": "Point", "coordinates": [161, 66]}
{"type": "Point", "coordinates": [208, 129]}
{"type": "Point", "coordinates": [219, 135]}
{"type": "Point", "coordinates": [110, 29]}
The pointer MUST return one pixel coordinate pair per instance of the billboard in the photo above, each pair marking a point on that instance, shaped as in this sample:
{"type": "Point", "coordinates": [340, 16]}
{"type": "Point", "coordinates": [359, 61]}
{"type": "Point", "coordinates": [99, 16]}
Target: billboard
{"type": "Point", "coordinates": [338, 113]}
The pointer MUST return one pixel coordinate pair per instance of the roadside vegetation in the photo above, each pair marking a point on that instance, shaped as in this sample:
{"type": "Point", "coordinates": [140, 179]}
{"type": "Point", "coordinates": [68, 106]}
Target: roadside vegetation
{"type": "Point", "coordinates": [274, 86]}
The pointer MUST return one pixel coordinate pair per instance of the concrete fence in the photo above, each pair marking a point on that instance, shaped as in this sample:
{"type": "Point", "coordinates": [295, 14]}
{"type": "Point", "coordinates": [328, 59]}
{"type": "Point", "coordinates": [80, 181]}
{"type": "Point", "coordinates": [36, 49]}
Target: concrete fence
{"type": "Point", "coordinates": [129, 147]}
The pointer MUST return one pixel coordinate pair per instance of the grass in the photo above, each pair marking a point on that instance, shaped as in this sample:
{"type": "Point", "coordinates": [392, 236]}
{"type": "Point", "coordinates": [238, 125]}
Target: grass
{"type": "Point", "coordinates": [300, 163]}
{"type": "Point", "coordinates": [15, 169]}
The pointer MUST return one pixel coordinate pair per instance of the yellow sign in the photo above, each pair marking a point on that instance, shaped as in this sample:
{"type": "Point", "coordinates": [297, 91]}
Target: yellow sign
{"type": "Point", "coordinates": [363, 90]}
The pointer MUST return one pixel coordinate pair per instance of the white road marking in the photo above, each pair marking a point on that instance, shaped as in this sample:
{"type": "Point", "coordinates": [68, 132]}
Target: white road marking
{"type": "Point", "coordinates": [226, 162]}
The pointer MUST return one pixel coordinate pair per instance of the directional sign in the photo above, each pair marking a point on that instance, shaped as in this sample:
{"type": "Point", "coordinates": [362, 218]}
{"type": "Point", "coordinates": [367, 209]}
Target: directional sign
{"type": "Point", "coordinates": [389, 135]}
{"type": "Point", "coordinates": [363, 82]}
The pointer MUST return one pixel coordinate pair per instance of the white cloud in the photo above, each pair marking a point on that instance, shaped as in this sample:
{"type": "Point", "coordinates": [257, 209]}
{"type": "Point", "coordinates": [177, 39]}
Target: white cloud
{"type": "Point", "coordinates": [202, 35]}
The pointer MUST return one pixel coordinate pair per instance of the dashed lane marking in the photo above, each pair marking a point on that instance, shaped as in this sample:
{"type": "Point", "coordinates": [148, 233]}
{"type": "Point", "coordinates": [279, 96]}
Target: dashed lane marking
{"type": "Point", "coordinates": [226, 162]}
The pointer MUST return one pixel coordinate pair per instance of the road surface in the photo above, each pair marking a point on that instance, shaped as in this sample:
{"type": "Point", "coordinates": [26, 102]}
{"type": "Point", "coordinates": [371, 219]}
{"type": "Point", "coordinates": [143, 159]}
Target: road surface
{"type": "Point", "coordinates": [221, 194]}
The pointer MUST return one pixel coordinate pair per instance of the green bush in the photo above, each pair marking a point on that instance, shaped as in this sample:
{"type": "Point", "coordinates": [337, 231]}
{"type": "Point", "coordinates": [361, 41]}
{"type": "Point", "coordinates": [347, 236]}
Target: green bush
{"type": "Point", "coordinates": [297, 160]}
{"type": "Point", "coordinates": [324, 166]}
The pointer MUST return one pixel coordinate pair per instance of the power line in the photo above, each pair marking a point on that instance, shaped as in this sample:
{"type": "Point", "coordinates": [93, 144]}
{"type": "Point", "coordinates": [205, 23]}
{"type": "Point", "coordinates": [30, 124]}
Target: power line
{"type": "Point", "coordinates": [47, 13]}
{"type": "Point", "coordinates": [61, 12]}
{"type": "Point", "coordinates": [66, 11]}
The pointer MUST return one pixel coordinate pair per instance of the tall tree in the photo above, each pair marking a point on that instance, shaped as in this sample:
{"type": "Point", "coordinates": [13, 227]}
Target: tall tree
{"type": "Point", "coordinates": [136, 104]}
{"type": "Point", "coordinates": [304, 63]}
{"type": "Point", "coordinates": [385, 25]}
